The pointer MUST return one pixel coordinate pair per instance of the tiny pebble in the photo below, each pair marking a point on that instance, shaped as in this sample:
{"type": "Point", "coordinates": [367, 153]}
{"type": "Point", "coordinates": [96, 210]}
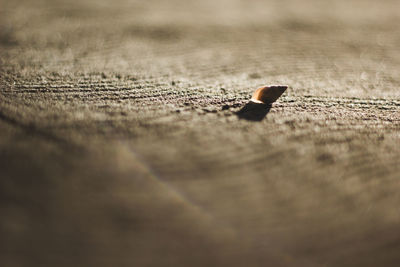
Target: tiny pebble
{"type": "Point", "coordinates": [225, 107]}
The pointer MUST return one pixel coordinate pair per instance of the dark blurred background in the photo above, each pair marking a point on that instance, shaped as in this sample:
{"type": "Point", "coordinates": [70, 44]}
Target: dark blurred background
{"type": "Point", "coordinates": [120, 144]}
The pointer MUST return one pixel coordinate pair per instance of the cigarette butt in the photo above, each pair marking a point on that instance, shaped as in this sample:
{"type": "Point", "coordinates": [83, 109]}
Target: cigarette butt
{"type": "Point", "coordinates": [268, 94]}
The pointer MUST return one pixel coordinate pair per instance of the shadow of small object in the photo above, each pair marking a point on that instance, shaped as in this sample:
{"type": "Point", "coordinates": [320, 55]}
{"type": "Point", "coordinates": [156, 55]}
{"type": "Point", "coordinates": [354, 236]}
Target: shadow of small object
{"type": "Point", "coordinates": [254, 111]}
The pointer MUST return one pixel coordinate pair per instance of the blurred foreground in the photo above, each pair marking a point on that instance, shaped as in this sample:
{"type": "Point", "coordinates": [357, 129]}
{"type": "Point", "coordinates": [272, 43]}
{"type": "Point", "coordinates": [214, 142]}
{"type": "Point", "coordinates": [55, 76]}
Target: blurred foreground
{"type": "Point", "coordinates": [120, 144]}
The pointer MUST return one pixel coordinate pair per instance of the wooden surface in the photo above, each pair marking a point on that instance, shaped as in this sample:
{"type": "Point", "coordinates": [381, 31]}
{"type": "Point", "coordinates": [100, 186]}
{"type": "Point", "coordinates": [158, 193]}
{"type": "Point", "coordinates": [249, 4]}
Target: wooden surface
{"type": "Point", "coordinates": [123, 140]}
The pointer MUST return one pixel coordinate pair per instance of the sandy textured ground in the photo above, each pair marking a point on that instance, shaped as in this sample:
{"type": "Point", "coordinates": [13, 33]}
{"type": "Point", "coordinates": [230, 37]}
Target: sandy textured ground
{"type": "Point", "coordinates": [120, 144]}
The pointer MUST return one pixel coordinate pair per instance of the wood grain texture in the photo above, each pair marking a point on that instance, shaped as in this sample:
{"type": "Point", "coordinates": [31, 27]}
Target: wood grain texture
{"type": "Point", "coordinates": [123, 140]}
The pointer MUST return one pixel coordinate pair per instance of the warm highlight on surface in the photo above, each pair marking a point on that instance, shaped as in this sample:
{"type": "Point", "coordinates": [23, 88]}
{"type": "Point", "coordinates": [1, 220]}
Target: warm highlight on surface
{"type": "Point", "coordinates": [268, 94]}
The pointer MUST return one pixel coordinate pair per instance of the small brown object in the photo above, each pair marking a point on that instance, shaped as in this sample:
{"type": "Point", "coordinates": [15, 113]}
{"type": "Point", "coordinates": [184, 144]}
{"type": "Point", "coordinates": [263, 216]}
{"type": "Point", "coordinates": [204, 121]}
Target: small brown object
{"type": "Point", "coordinates": [268, 94]}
